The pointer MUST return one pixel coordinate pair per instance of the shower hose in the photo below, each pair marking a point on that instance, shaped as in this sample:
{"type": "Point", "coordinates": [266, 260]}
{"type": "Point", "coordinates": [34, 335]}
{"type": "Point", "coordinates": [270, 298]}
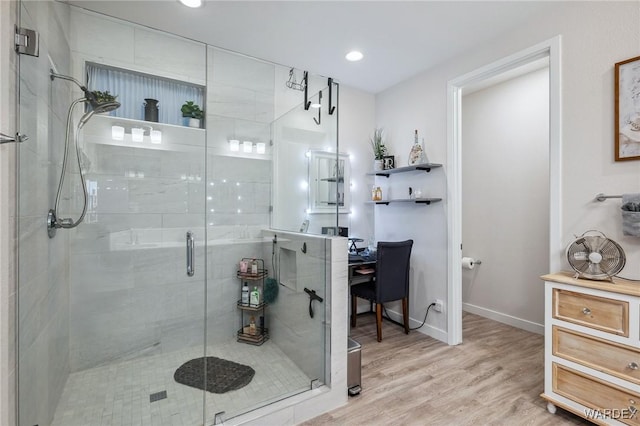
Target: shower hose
{"type": "Point", "coordinates": [68, 223]}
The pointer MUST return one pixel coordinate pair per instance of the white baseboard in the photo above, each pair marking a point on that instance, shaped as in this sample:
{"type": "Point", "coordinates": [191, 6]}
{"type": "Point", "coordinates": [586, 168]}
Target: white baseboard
{"type": "Point", "coordinates": [504, 318]}
{"type": "Point", "coordinates": [427, 329]}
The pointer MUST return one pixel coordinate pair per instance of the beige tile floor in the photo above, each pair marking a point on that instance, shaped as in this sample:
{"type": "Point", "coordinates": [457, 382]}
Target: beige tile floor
{"type": "Point", "coordinates": [118, 394]}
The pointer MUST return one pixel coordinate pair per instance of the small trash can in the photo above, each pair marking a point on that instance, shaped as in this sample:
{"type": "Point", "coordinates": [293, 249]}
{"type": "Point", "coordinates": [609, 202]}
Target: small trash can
{"type": "Point", "coordinates": [354, 367]}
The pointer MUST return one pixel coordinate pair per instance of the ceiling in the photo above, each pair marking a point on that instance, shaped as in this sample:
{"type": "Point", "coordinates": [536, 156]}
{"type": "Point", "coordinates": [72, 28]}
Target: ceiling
{"type": "Point", "coordinates": [399, 39]}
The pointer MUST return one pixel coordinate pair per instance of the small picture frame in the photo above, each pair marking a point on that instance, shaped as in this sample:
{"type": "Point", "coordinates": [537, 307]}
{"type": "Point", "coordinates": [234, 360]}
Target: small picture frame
{"type": "Point", "coordinates": [627, 109]}
{"type": "Point", "coordinates": [389, 162]}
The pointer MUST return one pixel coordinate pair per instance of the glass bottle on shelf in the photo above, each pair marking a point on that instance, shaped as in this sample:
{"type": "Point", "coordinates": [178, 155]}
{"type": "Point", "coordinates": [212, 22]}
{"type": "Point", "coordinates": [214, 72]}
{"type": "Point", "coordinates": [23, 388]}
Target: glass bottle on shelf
{"type": "Point", "coordinates": [378, 196]}
{"type": "Point", "coordinates": [416, 155]}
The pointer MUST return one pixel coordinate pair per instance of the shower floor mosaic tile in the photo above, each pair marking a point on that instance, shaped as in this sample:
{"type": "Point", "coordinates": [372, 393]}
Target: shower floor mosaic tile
{"type": "Point", "coordinates": [119, 394]}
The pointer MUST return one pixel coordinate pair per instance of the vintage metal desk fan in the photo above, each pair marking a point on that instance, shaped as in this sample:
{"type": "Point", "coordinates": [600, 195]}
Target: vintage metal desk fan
{"type": "Point", "coordinates": [595, 257]}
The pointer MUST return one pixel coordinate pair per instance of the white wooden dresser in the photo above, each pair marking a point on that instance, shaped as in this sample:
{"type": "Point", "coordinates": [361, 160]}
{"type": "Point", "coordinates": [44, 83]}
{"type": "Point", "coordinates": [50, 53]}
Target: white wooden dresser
{"type": "Point", "coordinates": [592, 348]}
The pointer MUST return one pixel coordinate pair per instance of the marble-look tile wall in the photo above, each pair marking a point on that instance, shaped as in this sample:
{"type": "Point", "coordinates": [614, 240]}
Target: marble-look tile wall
{"type": "Point", "coordinates": [305, 406]}
{"type": "Point", "coordinates": [130, 295]}
{"type": "Point", "coordinates": [8, 89]}
{"type": "Point", "coordinates": [301, 337]}
{"type": "Point", "coordinates": [240, 102]}
{"type": "Point", "coordinates": [134, 47]}
{"type": "Point", "coordinates": [43, 263]}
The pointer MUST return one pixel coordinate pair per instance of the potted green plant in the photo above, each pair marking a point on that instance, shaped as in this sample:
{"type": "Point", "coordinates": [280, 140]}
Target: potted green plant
{"type": "Point", "coordinates": [192, 114]}
{"type": "Point", "coordinates": [104, 97]}
{"type": "Point", "coordinates": [379, 149]}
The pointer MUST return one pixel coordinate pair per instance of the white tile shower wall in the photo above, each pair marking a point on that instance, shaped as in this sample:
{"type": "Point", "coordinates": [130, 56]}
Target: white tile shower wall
{"type": "Point", "coordinates": [111, 286]}
{"type": "Point", "coordinates": [240, 87]}
{"type": "Point", "coordinates": [8, 86]}
{"type": "Point", "coordinates": [311, 404]}
{"type": "Point", "coordinates": [132, 297]}
{"type": "Point", "coordinates": [134, 302]}
{"type": "Point", "coordinates": [238, 193]}
{"type": "Point", "coordinates": [43, 263]}
{"type": "Point", "coordinates": [141, 190]}
{"type": "Point", "coordinates": [224, 288]}
{"type": "Point", "coordinates": [125, 45]}
{"type": "Point", "coordinates": [240, 102]}
{"type": "Point", "coordinates": [291, 326]}
{"type": "Point", "coordinates": [237, 205]}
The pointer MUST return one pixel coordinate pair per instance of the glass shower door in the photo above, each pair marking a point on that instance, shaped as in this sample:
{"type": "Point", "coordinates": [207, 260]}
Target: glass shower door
{"type": "Point", "coordinates": [311, 178]}
{"type": "Point", "coordinates": [108, 310]}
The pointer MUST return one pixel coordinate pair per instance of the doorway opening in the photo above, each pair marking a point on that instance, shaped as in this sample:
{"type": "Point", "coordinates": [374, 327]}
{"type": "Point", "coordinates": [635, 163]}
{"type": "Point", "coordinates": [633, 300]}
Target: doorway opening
{"type": "Point", "coordinates": [547, 51]}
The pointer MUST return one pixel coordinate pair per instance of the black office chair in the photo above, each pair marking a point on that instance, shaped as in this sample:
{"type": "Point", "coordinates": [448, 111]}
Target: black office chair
{"type": "Point", "coordinates": [391, 282]}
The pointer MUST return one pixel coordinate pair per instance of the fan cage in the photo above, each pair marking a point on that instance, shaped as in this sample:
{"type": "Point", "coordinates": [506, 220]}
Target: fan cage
{"type": "Point", "coordinates": [613, 257]}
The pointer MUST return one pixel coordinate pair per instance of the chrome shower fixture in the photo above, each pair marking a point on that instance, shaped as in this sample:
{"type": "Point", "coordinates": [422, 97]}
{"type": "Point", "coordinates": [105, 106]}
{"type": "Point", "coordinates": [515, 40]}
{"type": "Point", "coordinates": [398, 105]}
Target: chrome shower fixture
{"type": "Point", "coordinates": [53, 222]}
{"type": "Point", "coordinates": [89, 96]}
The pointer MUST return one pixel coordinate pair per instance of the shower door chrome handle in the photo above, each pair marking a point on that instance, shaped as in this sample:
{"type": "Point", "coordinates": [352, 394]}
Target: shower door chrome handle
{"type": "Point", "coordinates": [190, 247]}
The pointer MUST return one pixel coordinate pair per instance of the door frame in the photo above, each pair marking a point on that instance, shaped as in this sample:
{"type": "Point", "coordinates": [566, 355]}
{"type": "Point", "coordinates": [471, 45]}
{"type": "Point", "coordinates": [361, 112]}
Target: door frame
{"type": "Point", "coordinates": [552, 49]}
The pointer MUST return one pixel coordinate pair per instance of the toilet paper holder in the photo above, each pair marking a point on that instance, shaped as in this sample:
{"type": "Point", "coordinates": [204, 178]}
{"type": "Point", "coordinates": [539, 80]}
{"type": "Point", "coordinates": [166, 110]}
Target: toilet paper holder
{"type": "Point", "coordinates": [470, 262]}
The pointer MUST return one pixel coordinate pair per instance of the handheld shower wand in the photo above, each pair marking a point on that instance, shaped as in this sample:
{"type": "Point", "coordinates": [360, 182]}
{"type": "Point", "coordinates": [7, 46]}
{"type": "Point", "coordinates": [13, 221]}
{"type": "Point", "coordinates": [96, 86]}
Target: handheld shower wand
{"type": "Point", "coordinates": [53, 223]}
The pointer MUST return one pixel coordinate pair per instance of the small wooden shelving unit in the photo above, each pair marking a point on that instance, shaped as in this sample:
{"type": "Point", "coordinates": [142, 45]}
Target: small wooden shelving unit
{"type": "Point", "coordinates": [257, 311]}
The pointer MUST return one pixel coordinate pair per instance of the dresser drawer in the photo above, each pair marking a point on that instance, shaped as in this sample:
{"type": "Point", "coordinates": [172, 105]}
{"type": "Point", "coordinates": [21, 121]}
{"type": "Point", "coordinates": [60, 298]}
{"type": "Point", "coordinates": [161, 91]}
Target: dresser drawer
{"type": "Point", "coordinates": [600, 313]}
{"type": "Point", "coordinates": [602, 355]}
{"type": "Point", "coordinates": [596, 394]}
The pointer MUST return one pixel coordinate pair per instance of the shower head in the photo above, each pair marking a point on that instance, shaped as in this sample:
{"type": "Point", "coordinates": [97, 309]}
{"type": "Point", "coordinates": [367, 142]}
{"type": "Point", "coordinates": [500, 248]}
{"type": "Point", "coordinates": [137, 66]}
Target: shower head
{"type": "Point", "coordinates": [96, 106]}
{"type": "Point", "coordinates": [99, 107]}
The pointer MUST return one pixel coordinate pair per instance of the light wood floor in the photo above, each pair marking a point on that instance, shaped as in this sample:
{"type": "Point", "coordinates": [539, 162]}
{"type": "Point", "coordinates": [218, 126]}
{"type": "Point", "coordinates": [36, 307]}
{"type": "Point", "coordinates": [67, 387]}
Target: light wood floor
{"type": "Point", "coordinates": [494, 378]}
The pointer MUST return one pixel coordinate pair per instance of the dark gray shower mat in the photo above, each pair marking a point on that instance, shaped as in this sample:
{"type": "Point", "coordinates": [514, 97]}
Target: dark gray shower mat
{"type": "Point", "coordinates": [222, 375]}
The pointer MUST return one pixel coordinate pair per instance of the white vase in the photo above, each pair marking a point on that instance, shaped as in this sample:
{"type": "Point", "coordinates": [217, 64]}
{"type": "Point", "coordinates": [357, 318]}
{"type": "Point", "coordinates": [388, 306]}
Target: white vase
{"type": "Point", "coordinates": [194, 122]}
{"type": "Point", "coordinates": [378, 165]}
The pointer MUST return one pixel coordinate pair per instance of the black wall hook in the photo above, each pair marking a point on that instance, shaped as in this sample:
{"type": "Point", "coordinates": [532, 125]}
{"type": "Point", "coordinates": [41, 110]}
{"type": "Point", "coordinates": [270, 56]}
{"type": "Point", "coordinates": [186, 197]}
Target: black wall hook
{"type": "Point", "coordinates": [312, 296]}
{"type": "Point", "coordinates": [331, 107]}
{"type": "Point", "coordinates": [307, 103]}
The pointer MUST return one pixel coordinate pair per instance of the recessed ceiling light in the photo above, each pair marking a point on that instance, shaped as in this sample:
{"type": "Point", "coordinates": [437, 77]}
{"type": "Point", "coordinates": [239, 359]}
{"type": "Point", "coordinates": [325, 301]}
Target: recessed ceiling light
{"type": "Point", "coordinates": [192, 3]}
{"type": "Point", "coordinates": [354, 55]}
{"type": "Point", "coordinates": [316, 105]}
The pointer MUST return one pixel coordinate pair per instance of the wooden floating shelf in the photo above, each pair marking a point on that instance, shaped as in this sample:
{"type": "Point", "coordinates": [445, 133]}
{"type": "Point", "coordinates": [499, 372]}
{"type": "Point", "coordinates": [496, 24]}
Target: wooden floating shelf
{"type": "Point", "coordinates": [426, 201]}
{"type": "Point", "coordinates": [386, 173]}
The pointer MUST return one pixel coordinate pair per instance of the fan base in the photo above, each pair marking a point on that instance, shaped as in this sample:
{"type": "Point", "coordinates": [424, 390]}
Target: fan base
{"type": "Point", "coordinates": [578, 275]}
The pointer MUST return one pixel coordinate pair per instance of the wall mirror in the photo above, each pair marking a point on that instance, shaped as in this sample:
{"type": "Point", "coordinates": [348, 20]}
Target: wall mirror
{"type": "Point", "coordinates": [329, 182]}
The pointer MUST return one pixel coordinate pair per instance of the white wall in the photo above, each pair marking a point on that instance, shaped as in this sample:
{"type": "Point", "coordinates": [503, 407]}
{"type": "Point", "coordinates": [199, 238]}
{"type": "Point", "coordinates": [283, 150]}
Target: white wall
{"type": "Point", "coordinates": [595, 35]}
{"type": "Point", "coordinates": [356, 122]}
{"type": "Point", "coordinates": [505, 220]}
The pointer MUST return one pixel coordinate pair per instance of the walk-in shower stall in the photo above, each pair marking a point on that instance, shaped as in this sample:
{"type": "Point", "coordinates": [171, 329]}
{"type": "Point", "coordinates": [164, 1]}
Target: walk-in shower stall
{"type": "Point", "coordinates": [139, 271]}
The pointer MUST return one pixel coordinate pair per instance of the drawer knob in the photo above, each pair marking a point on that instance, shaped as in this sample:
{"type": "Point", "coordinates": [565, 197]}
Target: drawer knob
{"type": "Point", "coordinates": [633, 365]}
{"type": "Point", "coordinates": [586, 311]}
{"type": "Point", "coordinates": [632, 401]}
